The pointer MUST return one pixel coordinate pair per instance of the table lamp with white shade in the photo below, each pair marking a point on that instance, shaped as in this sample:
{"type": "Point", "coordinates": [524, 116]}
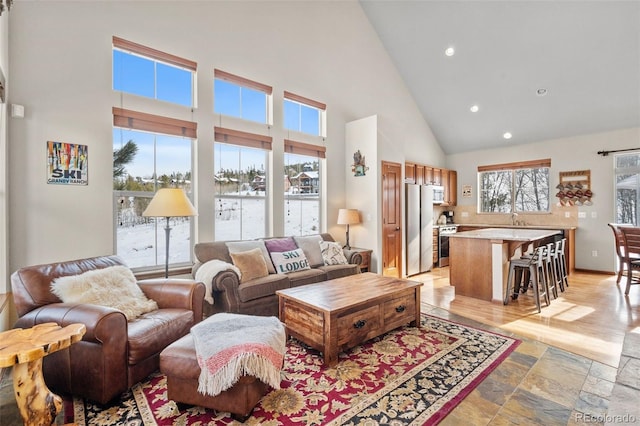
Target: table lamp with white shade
{"type": "Point", "coordinates": [168, 203]}
{"type": "Point", "coordinates": [348, 217]}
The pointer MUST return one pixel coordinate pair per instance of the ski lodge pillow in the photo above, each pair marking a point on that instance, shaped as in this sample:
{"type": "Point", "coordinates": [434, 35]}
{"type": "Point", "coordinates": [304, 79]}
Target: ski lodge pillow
{"type": "Point", "coordinates": [290, 261]}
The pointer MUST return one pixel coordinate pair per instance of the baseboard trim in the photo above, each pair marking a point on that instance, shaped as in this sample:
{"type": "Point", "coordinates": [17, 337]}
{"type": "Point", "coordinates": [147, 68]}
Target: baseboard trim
{"type": "Point", "coordinates": [594, 271]}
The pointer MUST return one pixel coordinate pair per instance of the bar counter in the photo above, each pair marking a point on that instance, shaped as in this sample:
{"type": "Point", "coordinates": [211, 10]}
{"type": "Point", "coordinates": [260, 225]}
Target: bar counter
{"type": "Point", "coordinates": [479, 259]}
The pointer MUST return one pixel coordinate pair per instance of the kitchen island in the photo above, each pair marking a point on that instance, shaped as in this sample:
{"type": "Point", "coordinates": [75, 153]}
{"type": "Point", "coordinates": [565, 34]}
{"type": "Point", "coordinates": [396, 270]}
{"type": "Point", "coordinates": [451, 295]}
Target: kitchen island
{"type": "Point", "coordinates": [479, 259]}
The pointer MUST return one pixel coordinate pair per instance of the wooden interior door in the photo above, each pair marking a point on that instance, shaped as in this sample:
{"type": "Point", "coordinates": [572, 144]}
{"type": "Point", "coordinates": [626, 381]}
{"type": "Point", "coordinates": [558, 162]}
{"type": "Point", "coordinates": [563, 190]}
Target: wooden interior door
{"type": "Point", "coordinates": [391, 219]}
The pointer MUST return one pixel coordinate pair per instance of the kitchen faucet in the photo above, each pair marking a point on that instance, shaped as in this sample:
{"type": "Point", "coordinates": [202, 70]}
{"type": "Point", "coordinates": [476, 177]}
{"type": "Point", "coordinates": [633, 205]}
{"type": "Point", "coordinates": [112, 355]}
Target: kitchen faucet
{"type": "Point", "coordinates": [513, 218]}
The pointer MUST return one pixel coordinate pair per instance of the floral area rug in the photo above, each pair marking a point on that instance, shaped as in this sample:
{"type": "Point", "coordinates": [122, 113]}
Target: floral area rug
{"type": "Point", "coordinates": [409, 376]}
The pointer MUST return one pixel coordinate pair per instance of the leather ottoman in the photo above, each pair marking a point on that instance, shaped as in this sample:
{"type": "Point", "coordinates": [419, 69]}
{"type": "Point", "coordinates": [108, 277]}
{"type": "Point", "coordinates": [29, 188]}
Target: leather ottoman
{"type": "Point", "coordinates": [178, 362]}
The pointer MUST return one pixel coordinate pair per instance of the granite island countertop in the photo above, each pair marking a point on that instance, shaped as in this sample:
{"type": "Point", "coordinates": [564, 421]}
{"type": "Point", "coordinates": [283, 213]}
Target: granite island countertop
{"type": "Point", "coordinates": [490, 225]}
{"type": "Point", "coordinates": [509, 234]}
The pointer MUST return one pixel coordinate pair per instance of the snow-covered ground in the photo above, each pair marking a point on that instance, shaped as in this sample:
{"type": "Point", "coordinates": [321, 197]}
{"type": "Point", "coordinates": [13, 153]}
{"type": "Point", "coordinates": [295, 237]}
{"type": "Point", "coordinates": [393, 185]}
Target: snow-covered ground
{"type": "Point", "coordinates": [143, 244]}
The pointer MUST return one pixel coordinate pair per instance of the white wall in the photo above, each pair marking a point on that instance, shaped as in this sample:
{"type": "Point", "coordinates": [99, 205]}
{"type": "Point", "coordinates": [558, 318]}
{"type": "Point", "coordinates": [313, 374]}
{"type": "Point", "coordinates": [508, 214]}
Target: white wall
{"type": "Point", "coordinates": [61, 62]}
{"type": "Point", "coordinates": [4, 212]}
{"type": "Point", "coordinates": [567, 154]}
{"type": "Point", "coordinates": [361, 135]}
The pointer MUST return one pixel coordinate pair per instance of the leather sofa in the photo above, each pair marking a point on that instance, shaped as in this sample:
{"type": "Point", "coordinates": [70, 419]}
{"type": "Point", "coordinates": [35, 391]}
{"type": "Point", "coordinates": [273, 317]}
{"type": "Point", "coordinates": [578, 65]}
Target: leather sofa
{"type": "Point", "coordinates": [114, 353]}
{"type": "Point", "coordinates": [258, 296]}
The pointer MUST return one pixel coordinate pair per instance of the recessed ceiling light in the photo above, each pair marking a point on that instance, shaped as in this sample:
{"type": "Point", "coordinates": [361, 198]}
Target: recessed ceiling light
{"type": "Point", "coordinates": [474, 108]}
{"type": "Point", "coordinates": [507, 135]}
{"type": "Point", "coordinates": [450, 51]}
{"type": "Point", "coordinates": [541, 92]}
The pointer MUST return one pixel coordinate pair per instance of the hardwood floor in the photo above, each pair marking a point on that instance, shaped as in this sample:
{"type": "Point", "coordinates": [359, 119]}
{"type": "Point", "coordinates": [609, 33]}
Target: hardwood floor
{"type": "Point", "coordinates": [589, 319]}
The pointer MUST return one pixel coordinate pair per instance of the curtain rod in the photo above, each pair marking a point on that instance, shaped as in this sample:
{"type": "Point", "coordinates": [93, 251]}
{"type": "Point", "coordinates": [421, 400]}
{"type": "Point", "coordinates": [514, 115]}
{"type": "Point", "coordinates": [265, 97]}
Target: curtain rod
{"type": "Point", "coordinates": [605, 153]}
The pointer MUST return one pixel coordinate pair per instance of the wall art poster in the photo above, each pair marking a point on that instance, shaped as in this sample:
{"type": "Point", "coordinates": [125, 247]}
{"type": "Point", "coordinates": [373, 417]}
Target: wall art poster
{"type": "Point", "coordinates": [466, 191]}
{"type": "Point", "coordinates": [67, 163]}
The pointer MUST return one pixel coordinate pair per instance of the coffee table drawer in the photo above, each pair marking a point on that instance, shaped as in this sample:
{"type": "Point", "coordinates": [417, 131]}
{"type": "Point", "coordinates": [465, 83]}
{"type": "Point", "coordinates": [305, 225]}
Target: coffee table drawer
{"type": "Point", "coordinates": [399, 311]}
{"type": "Point", "coordinates": [359, 326]}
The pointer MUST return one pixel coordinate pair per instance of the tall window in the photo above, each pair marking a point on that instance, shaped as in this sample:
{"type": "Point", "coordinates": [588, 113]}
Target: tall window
{"type": "Point", "coordinates": [302, 178]}
{"type": "Point", "coordinates": [150, 152]}
{"type": "Point", "coordinates": [303, 114]}
{"type": "Point", "coordinates": [627, 181]}
{"type": "Point", "coordinates": [240, 97]}
{"type": "Point", "coordinates": [521, 187]}
{"type": "Point", "coordinates": [144, 71]}
{"type": "Point", "coordinates": [143, 163]}
{"type": "Point", "coordinates": [241, 180]}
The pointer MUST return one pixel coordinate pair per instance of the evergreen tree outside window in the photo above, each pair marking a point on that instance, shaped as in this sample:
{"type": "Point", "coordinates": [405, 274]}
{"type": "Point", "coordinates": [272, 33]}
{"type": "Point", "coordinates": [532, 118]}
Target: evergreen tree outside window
{"type": "Point", "coordinates": [160, 161]}
{"type": "Point", "coordinates": [151, 151]}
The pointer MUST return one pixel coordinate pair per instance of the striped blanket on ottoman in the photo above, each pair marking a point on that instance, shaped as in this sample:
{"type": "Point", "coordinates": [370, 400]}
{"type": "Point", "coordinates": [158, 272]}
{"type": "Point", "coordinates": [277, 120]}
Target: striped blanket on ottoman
{"type": "Point", "coordinates": [229, 346]}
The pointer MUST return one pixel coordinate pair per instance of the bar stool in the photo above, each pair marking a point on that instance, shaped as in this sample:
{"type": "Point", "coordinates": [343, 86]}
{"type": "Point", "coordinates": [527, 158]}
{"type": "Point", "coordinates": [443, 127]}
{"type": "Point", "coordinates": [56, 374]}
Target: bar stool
{"type": "Point", "coordinates": [535, 268]}
{"type": "Point", "coordinates": [562, 263]}
{"type": "Point", "coordinates": [550, 264]}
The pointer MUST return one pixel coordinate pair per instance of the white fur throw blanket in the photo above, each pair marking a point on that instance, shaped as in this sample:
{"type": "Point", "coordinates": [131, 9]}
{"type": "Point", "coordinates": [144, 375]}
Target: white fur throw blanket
{"type": "Point", "coordinates": [229, 346]}
{"type": "Point", "coordinates": [208, 270]}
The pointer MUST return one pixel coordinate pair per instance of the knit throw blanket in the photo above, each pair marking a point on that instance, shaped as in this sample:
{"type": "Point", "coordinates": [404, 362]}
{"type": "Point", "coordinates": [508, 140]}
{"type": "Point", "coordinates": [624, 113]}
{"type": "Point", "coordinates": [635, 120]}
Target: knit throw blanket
{"type": "Point", "coordinates": [207, 272]}
{"type": "Point", "coordinates": [229, 346]}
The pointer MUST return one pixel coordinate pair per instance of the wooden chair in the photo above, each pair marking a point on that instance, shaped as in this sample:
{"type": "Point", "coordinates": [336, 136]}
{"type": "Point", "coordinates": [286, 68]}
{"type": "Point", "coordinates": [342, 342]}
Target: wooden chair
{"type": "Point", "coordinates": [631, 252]}
{"type": "Point", "coordinates": [620, 250]}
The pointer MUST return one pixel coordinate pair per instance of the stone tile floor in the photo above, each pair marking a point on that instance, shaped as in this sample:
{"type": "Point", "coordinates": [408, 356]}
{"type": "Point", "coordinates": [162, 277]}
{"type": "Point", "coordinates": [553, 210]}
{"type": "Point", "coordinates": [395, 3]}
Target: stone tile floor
{"type": "Point", "coordinates": [536, 385]}
{"type": "Point", "coordinates": [625, 397]}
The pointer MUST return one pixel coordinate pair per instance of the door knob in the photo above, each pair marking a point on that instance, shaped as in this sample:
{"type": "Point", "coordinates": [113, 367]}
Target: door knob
{"type": "Point", "coordinates": [397, 228]}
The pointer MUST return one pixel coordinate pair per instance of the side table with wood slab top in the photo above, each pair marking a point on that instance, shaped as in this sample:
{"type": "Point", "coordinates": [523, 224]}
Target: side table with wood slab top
{"type": "Point", "coordinates": [366, 258]}
{"type": "Point", "coordinates": [24, 349]}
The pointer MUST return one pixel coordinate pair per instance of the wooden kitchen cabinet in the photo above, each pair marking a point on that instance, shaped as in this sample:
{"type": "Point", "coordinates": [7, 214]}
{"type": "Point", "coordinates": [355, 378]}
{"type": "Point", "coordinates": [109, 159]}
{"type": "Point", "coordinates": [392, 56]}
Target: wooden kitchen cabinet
{"type": "Point", "coordinates": [437, 176]}
{"type": "Point", "coordinates": [409, 173]}
{"type": "Point", "coordinates": [450, 183]}
{"type": "Point", "coordinates": [420, 174]}
{"type": "Point", "coordinates": [428, 175]}
{"type": "Point", "coordinates": [444, 181]}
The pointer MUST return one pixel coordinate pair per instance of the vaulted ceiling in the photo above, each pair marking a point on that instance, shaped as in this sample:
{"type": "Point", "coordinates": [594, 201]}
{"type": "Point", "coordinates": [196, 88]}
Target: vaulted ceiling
{"type": "Point", "coordinates": [584, 56]}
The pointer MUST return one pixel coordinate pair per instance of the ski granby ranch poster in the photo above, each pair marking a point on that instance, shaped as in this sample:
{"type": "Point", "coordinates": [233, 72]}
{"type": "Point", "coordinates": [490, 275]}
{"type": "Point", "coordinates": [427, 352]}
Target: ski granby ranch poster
{"type": "Point", "coordinates": [67, 163]}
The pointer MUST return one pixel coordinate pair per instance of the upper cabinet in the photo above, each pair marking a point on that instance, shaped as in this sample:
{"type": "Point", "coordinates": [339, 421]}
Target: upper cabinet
{"type": "Point", "coordinates": [437, 177]}
{"type": "Point", "coordinates": [450, 183]}
{"type": "Point", "coordinates": [420, 174]}
{"type": "Point", "coordinates": [409, 173]}
{"type": "Point", "coordinates": [427, 175]}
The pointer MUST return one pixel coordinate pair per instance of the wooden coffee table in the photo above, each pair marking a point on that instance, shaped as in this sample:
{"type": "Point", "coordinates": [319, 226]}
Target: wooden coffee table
{"type": "Point", "coordinates": [336, 315]}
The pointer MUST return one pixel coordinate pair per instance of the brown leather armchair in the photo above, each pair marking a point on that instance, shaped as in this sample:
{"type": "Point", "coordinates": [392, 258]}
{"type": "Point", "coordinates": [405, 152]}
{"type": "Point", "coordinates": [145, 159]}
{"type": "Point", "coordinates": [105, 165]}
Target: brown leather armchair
{"type": "Point", "coordinates": [114, 353]}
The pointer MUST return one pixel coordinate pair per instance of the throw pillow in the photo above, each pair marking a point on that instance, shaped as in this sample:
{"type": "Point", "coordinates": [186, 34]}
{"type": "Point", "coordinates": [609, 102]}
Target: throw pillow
{"type": "Point", "coordinates": [310, 244]}
{"type": "Point", "coordinates": [280, 245]}
{"type": "Point", "coordinates": [290, 261]}
{"type": "Point", "coordinates": [240, 246]}
{"type": "Point", "coordinates": [332, 253]}
{"type": "Point", "coordinates": [114, 286]}
{"type": "Point", "coordinates": [251, 264]}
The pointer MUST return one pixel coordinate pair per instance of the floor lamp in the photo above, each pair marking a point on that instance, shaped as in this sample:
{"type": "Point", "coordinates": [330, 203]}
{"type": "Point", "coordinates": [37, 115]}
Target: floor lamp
{"type": "Point", "coordinates": [348, 217]}
{"type": "Point", "coordinates": [168, 203]}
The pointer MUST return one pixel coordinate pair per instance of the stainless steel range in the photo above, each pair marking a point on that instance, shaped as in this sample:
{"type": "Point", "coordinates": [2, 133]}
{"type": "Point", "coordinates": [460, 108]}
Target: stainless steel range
{"type": "Point", "coordinates": [443, 243]}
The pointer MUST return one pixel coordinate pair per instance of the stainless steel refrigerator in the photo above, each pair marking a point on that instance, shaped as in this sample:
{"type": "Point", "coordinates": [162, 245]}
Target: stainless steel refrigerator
{"type": "Point", "coordinates": [419, 238]}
